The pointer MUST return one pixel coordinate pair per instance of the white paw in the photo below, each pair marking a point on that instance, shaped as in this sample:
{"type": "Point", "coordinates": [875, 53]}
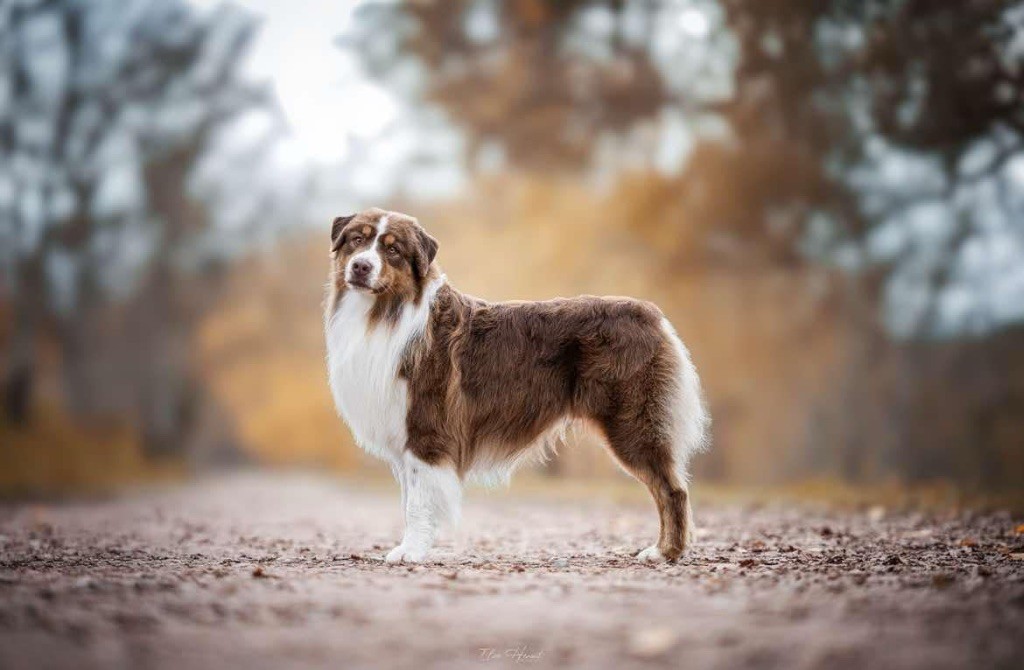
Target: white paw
{"type": "Point", "coordinates": [650, 555]}
{"type": "Point", "coordinates": [404, 554]}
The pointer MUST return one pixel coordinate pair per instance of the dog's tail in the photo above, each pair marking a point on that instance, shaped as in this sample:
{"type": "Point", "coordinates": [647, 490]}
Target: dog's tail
{"type": "Point", "coordinates": [690, 420]}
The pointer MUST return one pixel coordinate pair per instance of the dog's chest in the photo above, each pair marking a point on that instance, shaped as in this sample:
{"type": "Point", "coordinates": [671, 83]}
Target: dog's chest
{"type": "Point", "coordinates": [363, 368]}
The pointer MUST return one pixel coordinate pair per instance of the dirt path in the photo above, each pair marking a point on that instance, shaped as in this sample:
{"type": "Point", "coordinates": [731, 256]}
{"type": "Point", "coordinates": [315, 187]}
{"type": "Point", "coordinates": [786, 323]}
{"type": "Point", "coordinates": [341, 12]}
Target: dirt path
{"type": "Point", "coordinates": [261, 572]}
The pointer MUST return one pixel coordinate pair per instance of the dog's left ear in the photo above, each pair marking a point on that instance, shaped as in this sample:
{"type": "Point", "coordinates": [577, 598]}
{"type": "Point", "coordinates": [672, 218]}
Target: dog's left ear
{"type": "Point", "coordinates": [426, 250]}
{"type": "Point", "coordinates": [336, 228]}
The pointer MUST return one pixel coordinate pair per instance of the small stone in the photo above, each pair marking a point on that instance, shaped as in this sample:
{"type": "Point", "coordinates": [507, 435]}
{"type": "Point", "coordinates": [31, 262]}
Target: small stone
{"type": "Point", "coordinates": [652, 642]}
{"type": "Point", "coordinates": [84, 583]}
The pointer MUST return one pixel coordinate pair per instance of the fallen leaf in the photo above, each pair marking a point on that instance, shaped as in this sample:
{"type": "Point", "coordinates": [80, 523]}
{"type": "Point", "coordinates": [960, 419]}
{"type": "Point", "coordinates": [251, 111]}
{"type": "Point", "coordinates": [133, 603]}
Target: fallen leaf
{"type": "Point", "coordinates": [968, 542]}
{"type": "Point", "coordinates": [1020, 529]}
{"type": "Point", "coordinates": [258, 573]}
{"type": "Point", "coordinates": [747, 563]}
{"type": "Point", "coordinates": [1017, 556]}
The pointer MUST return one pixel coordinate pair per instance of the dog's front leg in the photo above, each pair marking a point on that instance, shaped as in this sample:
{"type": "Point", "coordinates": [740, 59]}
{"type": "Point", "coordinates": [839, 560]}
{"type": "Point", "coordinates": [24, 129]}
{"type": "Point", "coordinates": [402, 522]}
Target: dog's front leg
{"type": "Point", "coordinates": [398, 470]}
{"type": "Point", "coordinates": [430, 494]}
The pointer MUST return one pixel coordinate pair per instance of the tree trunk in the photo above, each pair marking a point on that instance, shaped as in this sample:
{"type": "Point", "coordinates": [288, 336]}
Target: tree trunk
{"type": "Point", "coordinates": [19, 380]}
{"type": "Point", "coordinates": [161, 361]}
{"type": "Point", "coordinates": [18, 386]}
{"type": "Point", "coordinates": [81, 397]}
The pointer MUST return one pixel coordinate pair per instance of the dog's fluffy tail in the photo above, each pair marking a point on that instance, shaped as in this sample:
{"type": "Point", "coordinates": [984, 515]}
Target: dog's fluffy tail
{"type": "Point", "coordinates": [690, 421]}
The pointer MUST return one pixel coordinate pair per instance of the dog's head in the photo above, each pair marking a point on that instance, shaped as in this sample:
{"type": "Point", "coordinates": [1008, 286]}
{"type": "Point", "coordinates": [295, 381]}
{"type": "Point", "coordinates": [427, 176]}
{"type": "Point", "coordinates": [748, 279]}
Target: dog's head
{"type": "Point", "coordinates": [383, 253]}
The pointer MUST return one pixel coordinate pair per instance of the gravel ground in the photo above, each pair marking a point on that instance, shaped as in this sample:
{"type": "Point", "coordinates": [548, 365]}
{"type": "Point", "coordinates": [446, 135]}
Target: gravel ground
{"type": "Point", "coordinates": [261, 571]}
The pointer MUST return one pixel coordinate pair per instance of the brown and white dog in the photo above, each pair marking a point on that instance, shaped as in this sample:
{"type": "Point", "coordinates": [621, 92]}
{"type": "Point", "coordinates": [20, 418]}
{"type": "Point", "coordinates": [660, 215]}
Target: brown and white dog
{"type": "Point", "coordinates": [445, 387]}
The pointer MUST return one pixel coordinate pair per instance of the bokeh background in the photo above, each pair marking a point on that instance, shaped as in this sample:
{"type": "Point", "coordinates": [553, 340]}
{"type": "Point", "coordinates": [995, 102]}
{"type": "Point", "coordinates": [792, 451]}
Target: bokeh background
{"type": "Point", "coordinates": [826, 197]}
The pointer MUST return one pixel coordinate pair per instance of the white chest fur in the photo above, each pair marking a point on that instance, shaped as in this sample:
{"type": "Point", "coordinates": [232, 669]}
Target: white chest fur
{"type": "Point", "coordinates": [362, 365]}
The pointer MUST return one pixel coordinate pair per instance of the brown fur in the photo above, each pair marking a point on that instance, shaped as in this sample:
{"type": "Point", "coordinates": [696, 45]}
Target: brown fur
{"type": "Point", "coordinates": [487, 380]}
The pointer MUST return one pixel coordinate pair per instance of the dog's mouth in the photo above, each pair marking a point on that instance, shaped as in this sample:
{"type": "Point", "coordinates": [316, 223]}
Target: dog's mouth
{"type": "Point", "coordinates": [362, 285]}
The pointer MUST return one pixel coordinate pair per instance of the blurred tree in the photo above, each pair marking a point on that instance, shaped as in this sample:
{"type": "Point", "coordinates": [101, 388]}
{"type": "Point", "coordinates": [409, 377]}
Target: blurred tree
{"type": "Point", "coordinates": [107, 109]}
{"type": "Point", "coordinates": [538, 84]}
{"type": "Point", "coordinates": [910, 114]}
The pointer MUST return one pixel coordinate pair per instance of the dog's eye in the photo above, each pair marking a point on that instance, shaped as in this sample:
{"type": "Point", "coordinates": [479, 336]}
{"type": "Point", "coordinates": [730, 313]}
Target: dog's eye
{"type": "Point", "coordinates": [392, 251]}
{"type": "Point", "coordinates": [356, 239]}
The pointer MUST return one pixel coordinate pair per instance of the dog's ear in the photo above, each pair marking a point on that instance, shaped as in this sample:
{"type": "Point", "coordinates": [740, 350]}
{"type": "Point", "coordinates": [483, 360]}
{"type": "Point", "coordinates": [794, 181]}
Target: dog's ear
{"type": "Point", "coordinates": [426, 250]}
{"type": "Point", "coordinates": [336, 228]}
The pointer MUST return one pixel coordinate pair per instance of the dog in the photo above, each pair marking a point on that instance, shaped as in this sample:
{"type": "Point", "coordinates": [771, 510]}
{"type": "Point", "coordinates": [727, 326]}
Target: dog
{"type": "Point", "coordinates": [446, 387]}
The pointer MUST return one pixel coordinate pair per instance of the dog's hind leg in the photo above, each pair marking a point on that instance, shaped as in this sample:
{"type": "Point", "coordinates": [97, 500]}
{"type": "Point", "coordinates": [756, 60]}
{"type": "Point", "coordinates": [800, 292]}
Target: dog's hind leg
{"type": "Point", "coordinates": [431, 494]}
{"type": "Point", "coordinates": [654, 422]}
{"type": "Point", "coordinates": [672, 500]}
{"type": "Point", "coordinates": [652, 461]}
{"type": "Point", "coordinates": [674, 512]}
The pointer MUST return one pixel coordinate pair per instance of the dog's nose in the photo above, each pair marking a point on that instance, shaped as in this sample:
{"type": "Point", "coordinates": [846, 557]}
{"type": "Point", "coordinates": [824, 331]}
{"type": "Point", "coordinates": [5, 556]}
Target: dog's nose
{"type": "Point", "coordinates": [361, 269]}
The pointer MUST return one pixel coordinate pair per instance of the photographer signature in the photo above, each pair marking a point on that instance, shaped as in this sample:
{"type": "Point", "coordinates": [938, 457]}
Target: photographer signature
{"type": "Point", "coordinates": [518, 654]}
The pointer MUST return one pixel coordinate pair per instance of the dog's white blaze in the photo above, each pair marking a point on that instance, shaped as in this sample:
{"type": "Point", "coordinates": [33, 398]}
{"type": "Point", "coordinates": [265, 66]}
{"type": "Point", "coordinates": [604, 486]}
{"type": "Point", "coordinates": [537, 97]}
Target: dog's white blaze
{"type": "Point", "coordinates": [371, 254]}
{"type": "Point", "coordinates": [363, 365]}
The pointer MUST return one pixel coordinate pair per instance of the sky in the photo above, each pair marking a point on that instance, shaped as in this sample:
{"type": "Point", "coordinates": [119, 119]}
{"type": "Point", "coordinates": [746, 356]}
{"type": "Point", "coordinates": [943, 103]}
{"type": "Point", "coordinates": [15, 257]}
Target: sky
{"type": "Point", "coordinates": [314, 79]}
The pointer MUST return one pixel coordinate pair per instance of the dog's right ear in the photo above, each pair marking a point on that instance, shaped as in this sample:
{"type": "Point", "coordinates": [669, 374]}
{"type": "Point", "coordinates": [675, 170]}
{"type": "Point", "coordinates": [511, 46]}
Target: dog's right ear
{"type": "Point", "coordinates": [336, 228]}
